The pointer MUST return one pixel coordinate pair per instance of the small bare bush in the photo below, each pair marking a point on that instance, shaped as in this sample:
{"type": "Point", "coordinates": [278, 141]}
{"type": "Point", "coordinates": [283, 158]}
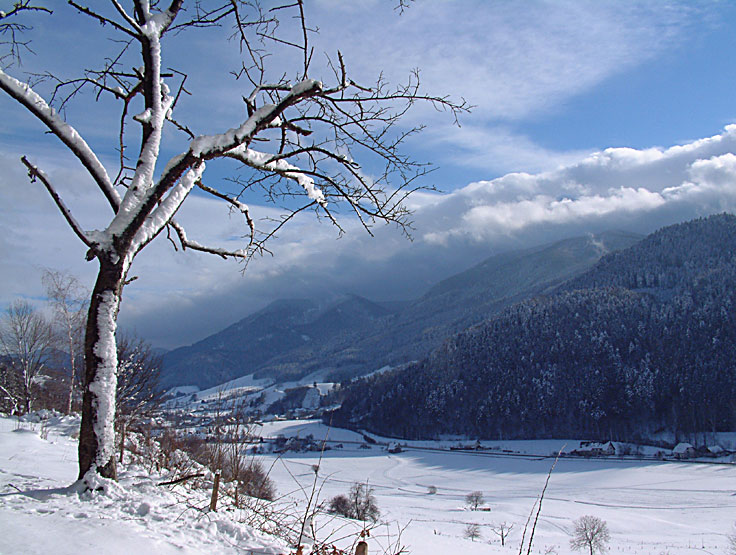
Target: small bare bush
{"type": "Point", "coordinates": [472, 532]}
{"type": "Point", "coordinates": [254, 481]}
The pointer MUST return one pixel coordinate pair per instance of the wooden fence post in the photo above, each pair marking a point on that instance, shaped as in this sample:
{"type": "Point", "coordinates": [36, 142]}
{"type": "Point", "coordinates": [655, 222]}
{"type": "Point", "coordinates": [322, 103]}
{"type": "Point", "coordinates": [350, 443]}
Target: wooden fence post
{"type": "Point", "coordinates": [215, 488]}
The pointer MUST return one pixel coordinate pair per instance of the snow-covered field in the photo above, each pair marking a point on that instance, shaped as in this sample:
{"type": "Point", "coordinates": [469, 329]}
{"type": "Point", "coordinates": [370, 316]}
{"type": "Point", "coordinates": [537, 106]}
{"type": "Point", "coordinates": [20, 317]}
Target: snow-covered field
{"type": "Point", "coordinates": [650, 508]}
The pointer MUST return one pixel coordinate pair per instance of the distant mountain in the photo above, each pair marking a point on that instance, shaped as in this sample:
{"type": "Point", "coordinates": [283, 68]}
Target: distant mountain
{"type": "Point", "coordinates": [643, 341]}
{"type": "Point", "coordinates": [268, 342]}
{"type": "Point", "coordinates": [354, 336]}
{"type": "Point", "coordinates": [235, 350]}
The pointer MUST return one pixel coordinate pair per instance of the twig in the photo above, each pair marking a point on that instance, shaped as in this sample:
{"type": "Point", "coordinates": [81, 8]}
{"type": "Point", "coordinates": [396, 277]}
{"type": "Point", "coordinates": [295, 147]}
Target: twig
{"type": "Point", "coordinates": [182, 479]}
{"type": "Point", "coordinates": [539, 507]}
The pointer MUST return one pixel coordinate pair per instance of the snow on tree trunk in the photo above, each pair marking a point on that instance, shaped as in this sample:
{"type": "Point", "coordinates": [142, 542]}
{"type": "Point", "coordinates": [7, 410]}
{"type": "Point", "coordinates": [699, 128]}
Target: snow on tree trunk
{"type": "Point", "coordinates": [97, 432]}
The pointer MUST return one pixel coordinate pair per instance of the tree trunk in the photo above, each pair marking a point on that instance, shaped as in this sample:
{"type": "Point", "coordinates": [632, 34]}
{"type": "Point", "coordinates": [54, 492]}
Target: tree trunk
{"type": "Point", "coordinates": [72, 370]}
{"type": "Point", "coordinates": [27, 383]}
{"type": "Point", "coordinates": [27, 397]}
{"type": "Point", "coordinates": [122, 440]}
{"type": "Point", "coordinates": [97, 432]}
{"type": "Point", "coordinates": [70, 400]}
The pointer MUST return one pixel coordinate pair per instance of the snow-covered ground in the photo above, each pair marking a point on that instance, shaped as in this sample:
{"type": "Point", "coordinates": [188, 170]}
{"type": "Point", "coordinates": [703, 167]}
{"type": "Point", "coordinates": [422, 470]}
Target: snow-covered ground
{"type": "Point", "coordinates": [40, 513]}
{"type": "Point", "coordinates": [650, 507]}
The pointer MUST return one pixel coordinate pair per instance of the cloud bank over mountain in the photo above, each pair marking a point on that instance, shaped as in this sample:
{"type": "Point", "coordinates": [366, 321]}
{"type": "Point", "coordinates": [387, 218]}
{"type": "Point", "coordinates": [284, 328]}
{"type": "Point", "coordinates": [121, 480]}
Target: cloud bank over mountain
{"type": "Point", "coordinates": [183, 296]}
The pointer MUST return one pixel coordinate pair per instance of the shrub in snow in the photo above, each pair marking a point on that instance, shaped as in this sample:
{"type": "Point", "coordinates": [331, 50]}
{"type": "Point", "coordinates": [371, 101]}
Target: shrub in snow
{"type": "Point", "coordinates": [340, 505]}
{"type": "Point", "coordinates": [254, 481]}
{"type": "Point", "coordinates": [358, 504]}
{"type": "Point", "coordinates": [472, 532]}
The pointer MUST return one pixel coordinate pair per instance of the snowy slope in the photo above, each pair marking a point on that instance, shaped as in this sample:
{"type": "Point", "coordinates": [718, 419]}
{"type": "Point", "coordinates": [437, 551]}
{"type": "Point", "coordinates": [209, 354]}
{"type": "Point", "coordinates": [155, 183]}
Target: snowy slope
{"type": "Point", "coordinates": [40, 513]}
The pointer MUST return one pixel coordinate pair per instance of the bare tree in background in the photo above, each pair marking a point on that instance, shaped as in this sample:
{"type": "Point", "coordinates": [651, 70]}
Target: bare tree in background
{"type": "Point", "coordinates": [472, 531]}
{"type": "Point", "coordinates": [590, 533]}
{"type": "Point", "coordinates": [138, 391]}
{"type": "Point", "coordinates": [299, 143]}
{"type": "Point", "coordinates": [27, 340]}
{"type": "Point", "coordinates": [502, 530]}
{"type": "Point", "coordinates": [474, 500]}
{"type": "Point", "coordinates": [68, 298]}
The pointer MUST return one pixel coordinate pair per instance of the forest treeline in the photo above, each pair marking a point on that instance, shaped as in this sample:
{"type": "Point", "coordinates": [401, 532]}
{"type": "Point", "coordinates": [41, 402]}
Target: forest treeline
{"type": "Point", "coordinates": [643, 342]}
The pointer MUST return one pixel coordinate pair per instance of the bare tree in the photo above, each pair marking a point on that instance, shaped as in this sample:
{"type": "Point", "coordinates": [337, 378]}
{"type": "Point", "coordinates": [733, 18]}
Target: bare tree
{"type": "Point", "coordinates": [26, 343]}
{"type": "Point", "coordinates": [474, 500]}
{"type": "Point", "coordinates": [502, 530]}
{"type": "Point", "coordinates": [139, 369]}
{"type": "Point", "coordinates": [299, 142]}
{"type": "Point", "coordinates": [590, 533]}
{"type": "Point", "coordinates": [69, 300]}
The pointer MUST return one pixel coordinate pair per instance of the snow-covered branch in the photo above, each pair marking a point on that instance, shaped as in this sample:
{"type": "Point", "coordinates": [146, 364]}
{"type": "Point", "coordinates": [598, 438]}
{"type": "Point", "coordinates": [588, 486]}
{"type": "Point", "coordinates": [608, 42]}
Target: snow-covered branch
{"type": "Point", "coordinates": [165, 211]}
{"type": "Point", "coordinates": [211, 146]}
{"type": "Point", "coordinates": [186, 243]}
{"type": "Point", "coordinates": [263, 161]}
{"type": "Point", "coordinates": [26, 96]}
{"type": "Point", "coordinates": [34, 173]}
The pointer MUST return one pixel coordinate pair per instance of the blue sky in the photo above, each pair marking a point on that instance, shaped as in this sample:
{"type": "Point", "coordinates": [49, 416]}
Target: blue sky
{"type": "Point", "coordinates": [588, 116]}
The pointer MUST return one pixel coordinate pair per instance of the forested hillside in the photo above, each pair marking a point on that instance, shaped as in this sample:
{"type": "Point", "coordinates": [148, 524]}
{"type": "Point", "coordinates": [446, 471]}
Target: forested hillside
{"type": "Point", "coordinates": [644, 341]}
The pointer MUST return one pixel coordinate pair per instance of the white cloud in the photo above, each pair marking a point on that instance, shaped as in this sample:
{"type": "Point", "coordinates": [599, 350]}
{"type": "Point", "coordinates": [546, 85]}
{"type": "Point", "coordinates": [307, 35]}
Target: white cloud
{"type": "Point", "coordinates": [691, 179]}
{"type": "Point", "coordinates": [496, 148]}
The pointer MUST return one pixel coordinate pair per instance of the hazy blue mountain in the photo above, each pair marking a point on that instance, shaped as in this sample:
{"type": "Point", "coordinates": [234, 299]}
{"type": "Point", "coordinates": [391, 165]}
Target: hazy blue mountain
{"type": "Point", "coordinates": [270, 342]}
{"type": "Point", "coordinates": [246, 344]}
{"type": "Point", "coordinates": [354, 336]}
{"type": "Point", "coordinates": [644, 341]}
